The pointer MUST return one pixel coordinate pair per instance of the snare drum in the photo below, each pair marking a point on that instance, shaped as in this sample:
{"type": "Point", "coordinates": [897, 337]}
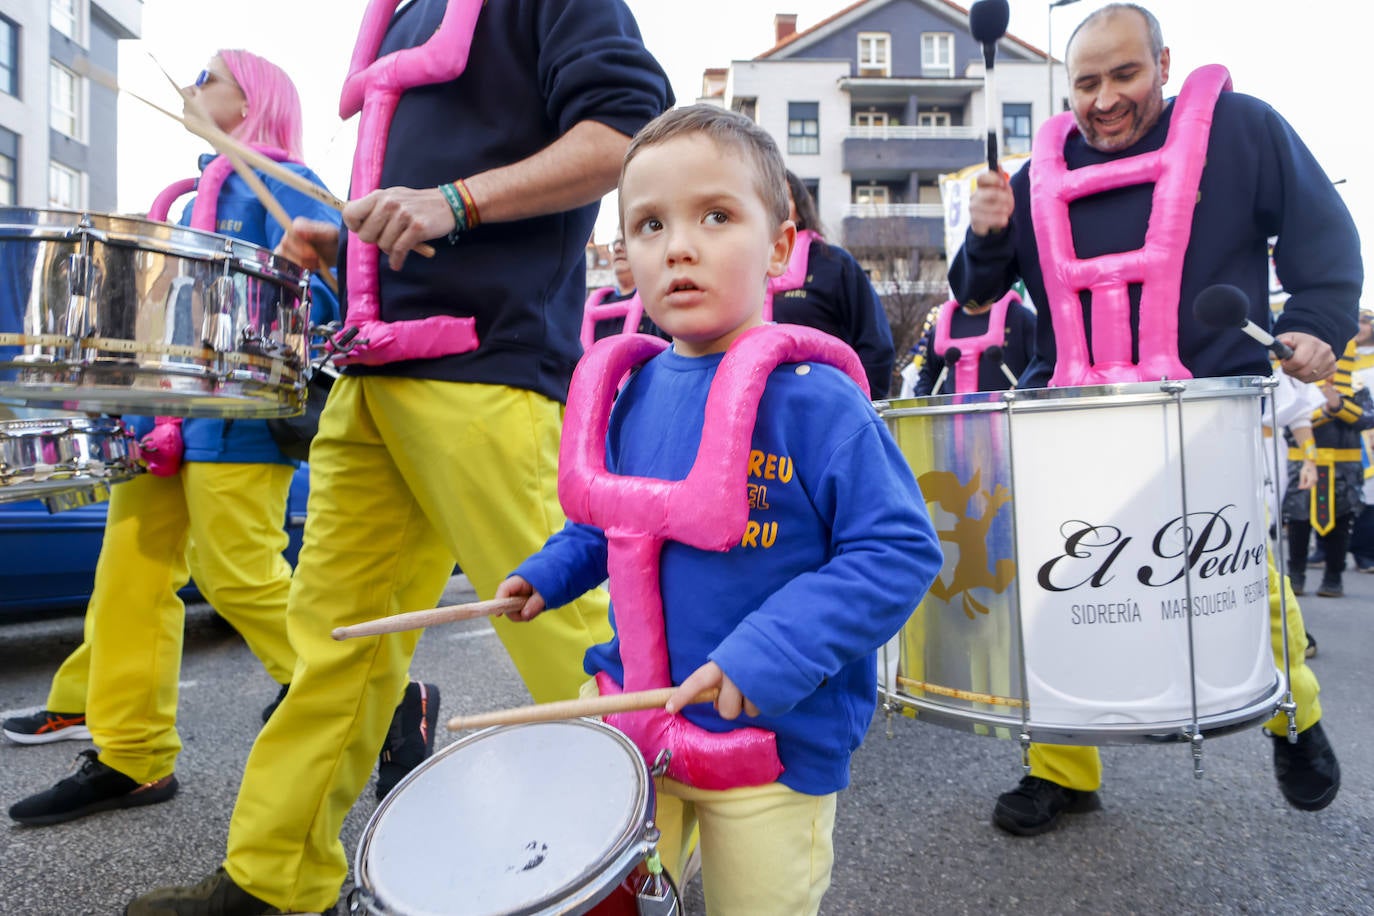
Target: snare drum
{"type": "Point", "coordinates": [70, 461]}
{"type": "Point", "coordinates": [1105, 575]}
{"type": "Point", "coordinates": [110, 314]}
{"type": "Point", "coordinates": [544, 818]}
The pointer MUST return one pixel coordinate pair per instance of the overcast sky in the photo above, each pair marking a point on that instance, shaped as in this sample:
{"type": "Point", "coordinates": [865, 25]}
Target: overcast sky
{"type": "Point", "coordinates": [1293, 55]}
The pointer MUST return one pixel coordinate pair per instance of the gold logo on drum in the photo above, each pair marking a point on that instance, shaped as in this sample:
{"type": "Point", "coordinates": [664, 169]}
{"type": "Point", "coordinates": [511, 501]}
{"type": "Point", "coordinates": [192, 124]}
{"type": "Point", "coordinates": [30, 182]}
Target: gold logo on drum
{"type": "Point", "coordinates": [969, 537]}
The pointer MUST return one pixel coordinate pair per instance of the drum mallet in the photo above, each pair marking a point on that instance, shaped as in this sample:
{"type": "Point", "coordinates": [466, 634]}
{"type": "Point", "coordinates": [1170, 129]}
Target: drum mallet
{"type": "Point", "coordinates": [987, 21]}
{"type": "Point", "coordinates": [634, 701]}
{"type": "Point", "coordinates": [1225, 306]}
{"type": "Point", "coordinates": [995, 354]}
{"type": "Point", "coordinates": [416, 620]}
{"type": "Point", "coordinates": [951, 357]}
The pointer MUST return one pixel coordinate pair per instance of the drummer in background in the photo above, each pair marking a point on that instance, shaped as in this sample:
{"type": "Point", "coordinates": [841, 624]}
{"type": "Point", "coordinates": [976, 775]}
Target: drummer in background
{"type": "Point", "coordinates": [786, 629]}
{"type": "Point", "coordinates": [222, 485]}
{"type": "Point", "coordinates": [961, 321]}
{"type": "Point", "coordinates": [439, 443]}
{"type": "Point", "coordinates": [594, 326]}
{"type": "Point", "coordinates": [826, 289]}
{"type": "Point", "coordinates": [1259, 181]}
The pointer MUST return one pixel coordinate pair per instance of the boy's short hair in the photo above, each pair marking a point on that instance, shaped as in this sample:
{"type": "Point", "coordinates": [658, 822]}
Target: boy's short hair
{"type": "Point", "coordinates": [728, 129]}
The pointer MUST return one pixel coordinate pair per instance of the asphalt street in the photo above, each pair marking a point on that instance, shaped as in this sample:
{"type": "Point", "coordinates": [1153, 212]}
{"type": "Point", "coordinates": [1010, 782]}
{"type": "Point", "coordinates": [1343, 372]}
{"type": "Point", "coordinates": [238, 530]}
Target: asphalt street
{"type": "Point", "coordinates": [913, 833]}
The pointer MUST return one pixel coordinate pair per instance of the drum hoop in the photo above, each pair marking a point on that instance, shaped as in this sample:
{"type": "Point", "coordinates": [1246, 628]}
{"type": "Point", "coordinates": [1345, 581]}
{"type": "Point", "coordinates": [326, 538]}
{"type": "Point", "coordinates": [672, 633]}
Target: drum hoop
{"type": "Point", "coordinates": [164, 238]}
{"type": "Point", "coordinates": [1079, 398]}
{"type": "Point", "coordinates": [120, 345]}
{"type": "Point", "coordinates": [22, 426]}
{"type": "Point", "coordinates": [623, 853]}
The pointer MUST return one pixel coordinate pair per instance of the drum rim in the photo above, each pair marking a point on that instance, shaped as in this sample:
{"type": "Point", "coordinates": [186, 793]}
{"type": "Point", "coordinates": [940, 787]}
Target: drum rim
{"type": "Point", "coordinates": [1122, 394]}
{"type": "Point", "coordinates": [619, 860]}
{"type": "Point", "coordinates": [20, 427]}
{"type": "Point", "coordinates": [166, 238]}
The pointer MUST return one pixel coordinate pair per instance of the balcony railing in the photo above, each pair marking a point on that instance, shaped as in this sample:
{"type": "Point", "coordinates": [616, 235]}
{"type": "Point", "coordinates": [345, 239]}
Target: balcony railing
{"type": "Point", "coordinates": [953, 132]}
{"type": "Point", "coordinates": [911, 287]}
{"type": "Point", "coordinates": [882, 211]}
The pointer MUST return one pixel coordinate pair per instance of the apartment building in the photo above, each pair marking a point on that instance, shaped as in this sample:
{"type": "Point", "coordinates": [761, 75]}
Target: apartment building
{"type": "Point", "coordinates": [57, 125]}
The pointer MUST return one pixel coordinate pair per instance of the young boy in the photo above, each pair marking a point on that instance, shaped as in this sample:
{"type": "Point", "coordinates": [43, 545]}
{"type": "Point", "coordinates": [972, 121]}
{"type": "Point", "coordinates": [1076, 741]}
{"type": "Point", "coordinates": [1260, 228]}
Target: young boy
{"type": "Point", "coordinates": [836, 551]}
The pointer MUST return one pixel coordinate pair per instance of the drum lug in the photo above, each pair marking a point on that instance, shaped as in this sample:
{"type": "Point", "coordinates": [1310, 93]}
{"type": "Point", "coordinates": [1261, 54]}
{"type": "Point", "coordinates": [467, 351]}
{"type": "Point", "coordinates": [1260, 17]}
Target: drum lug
{"type": "Point", "coordinates": [654, 894]}
{"type": "Point", "coordinates": [218, 330]}
{"type": "Point", "coordinates": [80, 324]}
{"type": "Point", "coordinates": [1195, 739]}
{"type": "Point", "coordinates": [1025, 741]}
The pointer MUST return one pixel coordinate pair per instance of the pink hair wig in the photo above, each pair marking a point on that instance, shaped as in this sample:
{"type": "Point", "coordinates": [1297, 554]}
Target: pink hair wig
{"type": "Point", "coordinates": [274, 107]}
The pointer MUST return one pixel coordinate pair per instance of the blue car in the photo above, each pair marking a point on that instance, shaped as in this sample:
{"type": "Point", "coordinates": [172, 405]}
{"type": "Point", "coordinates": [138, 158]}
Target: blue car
{"type": "Point", "coordinates": [47, 560]}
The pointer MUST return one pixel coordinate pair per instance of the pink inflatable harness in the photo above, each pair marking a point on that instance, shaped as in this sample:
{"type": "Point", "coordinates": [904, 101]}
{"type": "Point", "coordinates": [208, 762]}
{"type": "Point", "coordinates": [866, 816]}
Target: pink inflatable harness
{"type": "Point", "coordinates": [708, 509]}
{"type": "Point", "coordinates": [795, 275]}
{"type": "Point", "coordinates": [597, 309]}
{"type": "Point", "coordinates": [1176, 171]}
{"type": "Point", "coordinates": [971, 349]}
{"type": "Point", "coordinates": [374, 86]}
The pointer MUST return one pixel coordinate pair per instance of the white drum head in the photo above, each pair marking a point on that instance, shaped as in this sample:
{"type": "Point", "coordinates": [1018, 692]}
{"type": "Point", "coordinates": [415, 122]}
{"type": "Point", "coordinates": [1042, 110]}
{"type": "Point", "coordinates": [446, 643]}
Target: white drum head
{"type": "Point", "coordinates": [510, 820]}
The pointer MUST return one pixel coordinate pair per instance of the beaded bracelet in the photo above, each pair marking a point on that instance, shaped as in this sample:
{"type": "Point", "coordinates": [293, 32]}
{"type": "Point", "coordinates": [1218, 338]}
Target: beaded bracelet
{"type": "Point", "coordinates": [464, 207]}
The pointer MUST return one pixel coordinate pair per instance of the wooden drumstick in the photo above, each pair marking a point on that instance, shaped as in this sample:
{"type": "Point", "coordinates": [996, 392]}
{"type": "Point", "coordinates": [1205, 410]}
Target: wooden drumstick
{"type": "Point", "coordinates": [576, 709]}
{"type": "Point", "coordinates": [222, 142]}
{"type": "Point", "coordinates": [415, 620]}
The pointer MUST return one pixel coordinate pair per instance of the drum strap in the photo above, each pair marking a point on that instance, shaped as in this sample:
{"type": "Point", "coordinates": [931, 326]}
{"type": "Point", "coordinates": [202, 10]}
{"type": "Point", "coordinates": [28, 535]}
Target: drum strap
{"type": "Point", "coordinates": [374, 86]}
{"type": "Point", "coordinates": [794, 277]}
{"type": "Point", "coordinates": [708, 510]}
{"type": "Point", "coordinates": [1176, 172]}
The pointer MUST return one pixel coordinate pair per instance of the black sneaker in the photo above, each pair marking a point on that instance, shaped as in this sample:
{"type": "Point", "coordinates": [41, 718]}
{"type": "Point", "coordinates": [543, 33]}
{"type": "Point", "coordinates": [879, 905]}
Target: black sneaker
{"type": "Point", "coordinates": [1299, 584]}
{"type": "Point", "coordinates": [93, 787]}
{"type": "Point", "coordinates": [1308, 773]}
{"type": "Point", "coordinates": [411, 738]}
{"type": "Point", "coordinates": [1034, 806]}
{"type": "Point", "coordinates": [1330, 589]}
{"type": "Point", "coordinates": [1311, 650]}
{"type": "Point", "coordinates": [217, 895]}
{"type": "Point", "coordinates": [46, 726]}
{"type": "Point", "coordinates": [272, 707]}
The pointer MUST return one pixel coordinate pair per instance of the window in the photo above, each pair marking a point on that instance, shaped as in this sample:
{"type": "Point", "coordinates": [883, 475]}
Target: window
{"type": "Point", "coordinates": [871, 194]}
{"type": "Point", "coordinates": [9, 167]}
{"type": "Point", "coordinates": [64, 187]}
{"type": "Point", "coordinates": [803, 128]}
{"type": "Point", "coordinates": [1016, 127]}
{"type": "Point", "coordinates": [66, 18]}
{"type": "Point", "coordinates": [64, 100]}
{"type": "Point", "coordinates": [874, 59]}
{"type": "Point", "coordinates": [937, 54]}
{"type": "Point", "coordinates": [9, 57]}
{"type": "Point", "coordinates": [870, 119]}
{"type": "Point", "coordinates": [932, 119]}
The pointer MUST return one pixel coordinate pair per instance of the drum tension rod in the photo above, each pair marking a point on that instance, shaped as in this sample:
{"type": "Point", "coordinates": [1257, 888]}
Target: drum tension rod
{"type": "Point", "coordinates": [1196, 741]}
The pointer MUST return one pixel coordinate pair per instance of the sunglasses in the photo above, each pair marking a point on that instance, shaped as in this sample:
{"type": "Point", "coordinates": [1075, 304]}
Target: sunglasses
{"type": "Point", "coordinates": [205, 77]}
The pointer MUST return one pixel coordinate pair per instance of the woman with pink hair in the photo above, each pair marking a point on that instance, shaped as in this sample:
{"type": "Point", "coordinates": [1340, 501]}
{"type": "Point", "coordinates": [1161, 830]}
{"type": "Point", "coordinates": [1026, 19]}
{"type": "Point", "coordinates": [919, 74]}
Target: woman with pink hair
{"type": "Point", "coordinates": [212, 504]}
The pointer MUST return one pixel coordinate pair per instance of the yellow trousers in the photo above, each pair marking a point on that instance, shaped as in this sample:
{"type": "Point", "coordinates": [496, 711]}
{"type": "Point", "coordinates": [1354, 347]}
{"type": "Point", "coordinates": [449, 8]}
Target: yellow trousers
{"type": "Point", "coordinates": [406, 475]}
{"type": "Point", "coordinates": [1077, 767]}
{"type": "Point", "coordinates": [765, 850]}
{"type": "Point", "coordinates": [125, 675]}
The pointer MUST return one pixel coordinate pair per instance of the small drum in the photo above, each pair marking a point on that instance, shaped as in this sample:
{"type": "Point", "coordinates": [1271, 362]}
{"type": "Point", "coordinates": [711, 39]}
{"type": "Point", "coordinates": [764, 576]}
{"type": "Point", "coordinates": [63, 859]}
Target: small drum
{"type": "Point", "coordinates": [67, 461]}
{"type": "Point", "coordinates": [553, 817]}
{"type": "Point", "coordinates": [109, 314]}
{"type": "Point", "coordinates": [1106, 557]}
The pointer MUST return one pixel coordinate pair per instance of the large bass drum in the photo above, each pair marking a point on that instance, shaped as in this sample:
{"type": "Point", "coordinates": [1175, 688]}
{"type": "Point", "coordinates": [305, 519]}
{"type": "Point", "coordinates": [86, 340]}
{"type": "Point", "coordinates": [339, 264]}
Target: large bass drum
{"type": "Point", "coordinates": [110, 314]}
{"type": "Point", "coordinates": [1106, 568]}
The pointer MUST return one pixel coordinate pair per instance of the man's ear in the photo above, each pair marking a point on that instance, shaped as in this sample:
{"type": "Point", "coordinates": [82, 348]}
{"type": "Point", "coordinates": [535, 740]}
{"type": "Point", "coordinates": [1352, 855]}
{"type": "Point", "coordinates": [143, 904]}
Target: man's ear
{"type": "Point", "coordinates": [1164, 67]}
{"type": "Point", "coordinates": [782, 248]}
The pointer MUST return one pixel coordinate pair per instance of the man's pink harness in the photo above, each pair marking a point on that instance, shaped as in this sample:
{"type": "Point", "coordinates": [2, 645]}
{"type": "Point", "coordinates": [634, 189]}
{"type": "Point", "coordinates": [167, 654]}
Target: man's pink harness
{"type": "Point", "coordinates": [1176, 171]}
{"type": "Point", "coordinates": [971, 349]}
{"type": "Point", "coordinates": [374, 87]}
{"type": "Point", "coordinates": [708, 510]}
